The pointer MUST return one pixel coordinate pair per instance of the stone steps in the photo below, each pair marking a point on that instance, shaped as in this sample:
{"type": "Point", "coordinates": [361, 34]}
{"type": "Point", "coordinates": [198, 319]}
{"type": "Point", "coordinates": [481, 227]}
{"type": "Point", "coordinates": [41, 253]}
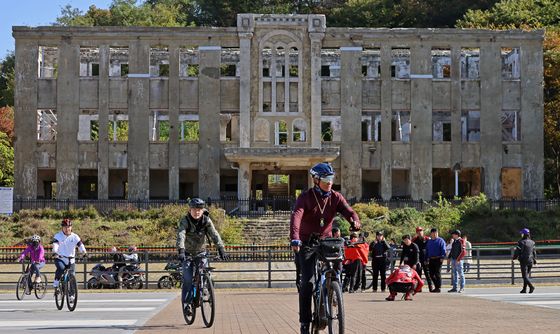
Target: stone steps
{"type": "Point", "coordinates": [267, 231]}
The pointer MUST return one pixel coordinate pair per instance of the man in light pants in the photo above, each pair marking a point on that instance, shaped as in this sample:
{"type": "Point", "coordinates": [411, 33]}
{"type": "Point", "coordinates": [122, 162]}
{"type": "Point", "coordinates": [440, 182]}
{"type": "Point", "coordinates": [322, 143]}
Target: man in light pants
{"type": "Point", "coordinates": [456, 255]}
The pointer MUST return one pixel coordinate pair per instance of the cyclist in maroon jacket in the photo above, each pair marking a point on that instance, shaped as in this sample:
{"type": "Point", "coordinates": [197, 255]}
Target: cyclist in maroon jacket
{"type": "Point", "coordinates": [313, 214]}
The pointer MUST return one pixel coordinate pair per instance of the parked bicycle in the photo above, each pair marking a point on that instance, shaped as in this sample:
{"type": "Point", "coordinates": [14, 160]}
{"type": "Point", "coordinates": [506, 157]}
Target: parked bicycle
{"type": "Point", "coordinates": [328, 304]}
{"type": "Point", "coordinates": [67, 288]}
{"type": "Point", "coordinates": [26, 284]}
{"type": "Point", "coordinates": [202, 292]}
{"type": "Point", "coordinates": [175, 277]}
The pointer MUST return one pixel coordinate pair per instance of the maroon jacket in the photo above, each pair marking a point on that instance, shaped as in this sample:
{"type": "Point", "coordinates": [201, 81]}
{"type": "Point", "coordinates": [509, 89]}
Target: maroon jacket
{"type": "Point", "coordinates": [306, 217]}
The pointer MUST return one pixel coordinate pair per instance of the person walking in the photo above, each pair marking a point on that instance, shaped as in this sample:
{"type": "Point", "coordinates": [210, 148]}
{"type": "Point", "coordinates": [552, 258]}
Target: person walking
{"type": "Point", "coordinates": [527, 256]}
{"type": "Point", "coordinates": [379, 248]}
{"type": "Point", "coordinates": [313, 215]}
{"type": "Point", "coordinates": [456, 255]}
{"type": "Point", "coordinates": [435, 252]}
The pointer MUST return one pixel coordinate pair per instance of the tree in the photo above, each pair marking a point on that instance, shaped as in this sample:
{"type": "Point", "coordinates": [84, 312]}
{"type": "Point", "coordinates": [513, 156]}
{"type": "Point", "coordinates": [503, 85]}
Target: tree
{"type": "Point", "coordinates": [7, 67]}
{"type": "Point", "coordinates": [6, 161]}
{"type": "Point", "coordinates": [7, 122]}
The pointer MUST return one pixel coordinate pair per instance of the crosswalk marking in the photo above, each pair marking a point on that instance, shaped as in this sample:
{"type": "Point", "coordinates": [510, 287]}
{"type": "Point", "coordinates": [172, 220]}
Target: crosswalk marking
{"type": "Point", "coordinates": [67, 323]}
{"type": "Point", "coordinates": [535, 294]}
{"type": "Point", "coordinates": [89, 301]}
{"type": "Point", "coordinates": [91, 309]}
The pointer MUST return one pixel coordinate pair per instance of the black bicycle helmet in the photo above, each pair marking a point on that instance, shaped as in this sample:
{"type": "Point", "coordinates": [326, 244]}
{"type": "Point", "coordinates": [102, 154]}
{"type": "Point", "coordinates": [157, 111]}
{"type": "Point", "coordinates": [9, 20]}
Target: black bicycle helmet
{"type": "Point", "coordinates": [197, 203]}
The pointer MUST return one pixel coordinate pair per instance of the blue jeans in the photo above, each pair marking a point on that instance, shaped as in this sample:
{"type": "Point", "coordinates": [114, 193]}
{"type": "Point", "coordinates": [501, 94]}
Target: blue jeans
{"type": "Point", "coordinates": [457, 274]}
{"type": "Point", "coordinates": [60, 266]}
{"type": "Point", "coordinates": [188, 272]}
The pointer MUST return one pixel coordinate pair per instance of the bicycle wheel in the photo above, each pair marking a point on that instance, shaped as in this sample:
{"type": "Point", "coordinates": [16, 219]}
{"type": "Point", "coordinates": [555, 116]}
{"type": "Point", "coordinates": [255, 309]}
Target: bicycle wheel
{"type": "Point", "coordinates": [71, 293]}
{"type": "Point", "coordinates": [59, 295]}
{"type": "Point", "coordinates": [208, 305]}
{"type": "Point", "coordinates": [41, 287]}
{"type": "Point", "coordinates": [189, 312]}
{"type": "Point", "coordinates": [21, 286]}
{"type": "Point", "coordinates": [335, 309]}
{"type": "Point", "coordinates": [369, 278]}
{"type": "Point", "coordinates": [165, 282]}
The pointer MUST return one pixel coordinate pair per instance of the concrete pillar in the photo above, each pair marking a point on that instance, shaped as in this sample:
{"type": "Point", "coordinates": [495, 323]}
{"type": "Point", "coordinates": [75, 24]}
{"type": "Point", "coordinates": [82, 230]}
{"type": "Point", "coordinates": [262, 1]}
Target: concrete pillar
{"type": "Point", "coordinates": [532, 119]}
{"type": "Point", "coordinates": [316, 39]}
{"type": "Point", "coordinates": [245, 89]}
{"type": "Point", "coordinates": [386, 116]}
{"type": "Point", "coordinates": [174, 126]}
{"type": "Point", "coordinates": [103, 122]}
{"type": "Point", "coordinates": [138, 120]}
{"type": "Point", "coordinates": [67, 112]}
{"type": "Point", "coordinates": [351, 117]}
{"type": "Point", "coordinates": [244, 180]}
{"type": "Point", "coordinates": [490, 125]}
{"type": "Point", "coordinates": [421, 120]}
{"type": "Point", "coordinates": [456, 139]}
{"type": "Point", "coordinates": [209, 147]}
{"type": "Point", "coordinates": [25, 114]}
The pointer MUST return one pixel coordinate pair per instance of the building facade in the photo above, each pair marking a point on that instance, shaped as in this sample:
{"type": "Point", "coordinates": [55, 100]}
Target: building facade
{"type": "Point", "coordinates": [168, 113]}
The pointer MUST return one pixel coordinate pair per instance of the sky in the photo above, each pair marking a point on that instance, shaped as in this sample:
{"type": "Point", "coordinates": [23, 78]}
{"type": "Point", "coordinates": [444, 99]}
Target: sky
{"type": "Point", "coordinates": [34, 13]}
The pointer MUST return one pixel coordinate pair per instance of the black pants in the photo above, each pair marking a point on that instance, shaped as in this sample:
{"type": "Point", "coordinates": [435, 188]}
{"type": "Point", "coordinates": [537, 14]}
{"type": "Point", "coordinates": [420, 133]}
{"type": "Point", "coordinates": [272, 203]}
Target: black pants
{"type": "Point", "coordinates": [378, 266]}
{"type": "Point", "coordinates": [435, 272]}
{"type": "Point", "coordinates": [353, 275]}
{"type": "Point", "coordinates": [526, 273]}
{"type": "Point", "coordinates": [423, 267]}
{"type": "Point", "coordinates": [307, 261]}
{"type": "Point", "coordinates": [401, 287]}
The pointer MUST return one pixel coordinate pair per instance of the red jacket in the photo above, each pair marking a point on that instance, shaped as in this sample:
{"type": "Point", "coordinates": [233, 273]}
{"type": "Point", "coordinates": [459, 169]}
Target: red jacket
{"type": "Point", "coordinates": [357, 252]}
{"type": "Point", "coordinates": [405, 276]}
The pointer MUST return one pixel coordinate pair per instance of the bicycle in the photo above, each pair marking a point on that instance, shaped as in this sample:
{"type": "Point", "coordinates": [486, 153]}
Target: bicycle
{"type": "Point", "coordinates": [67, 288]}
{"type": "Point", "coordinates": [202, 292]}
{"type": "Point", "coordinates": [24, 286]}
{"type": "Point", "coordinates": [175, 277]}
{"type": "Point", "coordinates": [328, 303]}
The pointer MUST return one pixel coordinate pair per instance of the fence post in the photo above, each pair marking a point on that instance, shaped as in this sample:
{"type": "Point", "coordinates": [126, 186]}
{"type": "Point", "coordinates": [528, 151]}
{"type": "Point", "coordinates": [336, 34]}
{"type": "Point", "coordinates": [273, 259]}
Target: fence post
{"type": "Point", "coordinates": [512, 267]}
{"type": "Point", "coordinates": [146, 268]}
{"type": "Point", "coordinates": [85, 271]}
{"type": "Point", "coordinates": [478, 264]}
{"type": "Point", "coordinates": [269, 253]}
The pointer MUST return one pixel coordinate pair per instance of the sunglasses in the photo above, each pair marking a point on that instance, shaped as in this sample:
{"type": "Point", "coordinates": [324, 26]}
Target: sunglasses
{"type": "Point", "coordinates": [327, 179]}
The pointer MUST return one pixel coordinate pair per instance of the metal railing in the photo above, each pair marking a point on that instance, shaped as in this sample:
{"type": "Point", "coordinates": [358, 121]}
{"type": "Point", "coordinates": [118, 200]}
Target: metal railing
{"type": "Point", "coordinates": [274, 267]}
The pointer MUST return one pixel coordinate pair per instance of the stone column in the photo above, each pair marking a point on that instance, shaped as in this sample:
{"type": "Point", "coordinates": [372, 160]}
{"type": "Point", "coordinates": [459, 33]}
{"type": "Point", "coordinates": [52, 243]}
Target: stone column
{"type": "Point", "coordinates": [244, 180]}
{"type": "Point", "coordinates": [351, 117]}
{"type": "Point", "coordinates": [245, 89]}
{"type": "Point", "coordinates": [316, 39]}
{"type": "Point", "coordinates": [25, 114]}
{"type": "Point", "coordinates": [532, 119]}
{"type": "Point", "coordinates": [421, 120]}
{"type": "Point", "coordinates": [209, 146]}
{"type": "Point", "coordinates": [103, 123]}
{"type": "Point", "coordinates": [456, 139]}
{"type": "Point", "coordinates": [490, 124]}
{"type": "Point", "coordinates": [386, 117]}
{"type": "Point", "coordinates": [138, 121]}
{"type": "Point", "coordinates": [174, 126]}
{"type": "Point", "coordinates": [67, 112]}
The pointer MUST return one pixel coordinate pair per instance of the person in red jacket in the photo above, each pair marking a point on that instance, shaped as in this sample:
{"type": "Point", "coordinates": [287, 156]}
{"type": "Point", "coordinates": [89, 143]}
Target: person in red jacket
{"type": "Point", "coordinates": [355, 258]}
{"type": "Point", "coordinates": [405, 280]}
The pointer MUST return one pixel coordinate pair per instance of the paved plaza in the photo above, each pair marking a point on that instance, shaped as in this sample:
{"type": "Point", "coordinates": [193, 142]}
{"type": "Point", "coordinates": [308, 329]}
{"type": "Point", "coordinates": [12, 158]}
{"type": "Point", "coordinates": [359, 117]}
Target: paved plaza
{"type": "Point", "coordinates": [479, 310]}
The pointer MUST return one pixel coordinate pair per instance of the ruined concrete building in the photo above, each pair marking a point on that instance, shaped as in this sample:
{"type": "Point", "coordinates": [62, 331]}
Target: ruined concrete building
{"type": "Point", "coordinates": [168, 113]}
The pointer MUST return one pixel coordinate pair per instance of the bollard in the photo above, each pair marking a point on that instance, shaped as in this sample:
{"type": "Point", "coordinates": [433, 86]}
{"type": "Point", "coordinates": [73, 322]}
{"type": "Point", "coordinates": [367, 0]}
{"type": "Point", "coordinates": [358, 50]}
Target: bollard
{"type": "Point", "coordinates": [478, 264]}
{"type": "Point", "coordinates": [85, 272]}
{"type": "Point", "coordinates": [512, 267]}
{"type": "Point", "coordinates": [269, 253]}
{"type": "Point", "coordinates": [146, 267]}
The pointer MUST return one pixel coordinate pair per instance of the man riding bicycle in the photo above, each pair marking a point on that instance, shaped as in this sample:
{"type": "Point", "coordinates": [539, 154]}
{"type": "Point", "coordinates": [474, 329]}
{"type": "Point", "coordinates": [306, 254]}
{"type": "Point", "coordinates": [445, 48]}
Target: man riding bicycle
{"type": "Point", "coordinates": [313, 214]}
{"type": "Point", "coordinates": [193, 230]}
{"type": "Point", "coordinates": [64, 247]}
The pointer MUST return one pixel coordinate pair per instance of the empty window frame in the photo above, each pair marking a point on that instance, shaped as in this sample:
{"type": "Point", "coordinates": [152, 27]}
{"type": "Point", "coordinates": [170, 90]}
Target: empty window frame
{"type": "Point", "coordinates": [88, 125]}
{"type": "Point", "coordinates": [159, 61]}
{"type": "Point", "coordinates": [229, 62]}
{"type": "Point", "coordinates": [189, 130]}
{"type": "Point", "coordinates": [89, 61]}
{"type": "Point", "coordinates": [511, 125]}
{"type": "Point", "coordinates": [118, 126]}
{"type": "Point", "coordinates": [470, 126]}
{"type": "Point", "coordinates": [400, 126]}
{"type": "Point", "coordinates": [510, 64]}
{"type": "Point", "coordinates": [441, 126]}
{"type": "Point", "coordinates": [47, 62]}
{"type": "Point", "coordinates": [441, 63]}
{"type": "Point", "coordinates": [159, 126]}
{"type": "Point", "coordinates": [326, 131]}
{"type": "Point", "coordinates": [371, 63]}
{"type": "Point", "coordinates": [330, 63]}
{"type": "Point", "coordinates": [371, 126]}
{"type": "Point", "coordinates": [118, 61]}
{"type": "Point", "coordinates": [46, 124]}
{"type": "Point", "coordinates": [280, 133]}
{"type": "Point", "coordinates": [400, 63]}
{"type": "Point", "coordinates": [470, 63]}
{"type": "Point", "coordinates": [188, 62]}
{"type": "Point", "coordinates": [298, 130]}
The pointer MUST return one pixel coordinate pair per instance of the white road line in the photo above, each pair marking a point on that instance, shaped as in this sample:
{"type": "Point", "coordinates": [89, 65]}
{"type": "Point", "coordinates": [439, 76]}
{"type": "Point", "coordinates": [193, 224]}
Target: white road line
{"type": "Point", "coordinates": [513, 294]}
{"type": "Point", "coordinates": [67, 323]}
{"type": "Point", "coordinates": [80, 301]}
{"type": "Point", "coordinates": [540, 302]}
{"type": "Point", "coordinates": [90, 309]}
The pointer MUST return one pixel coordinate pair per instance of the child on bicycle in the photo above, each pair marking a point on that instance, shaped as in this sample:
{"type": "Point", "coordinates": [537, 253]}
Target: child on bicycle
{"type": "Point", "coordinates": [193, 231]}
{"type": "Point", "coordinates": [37, 254]}
{"type": "Point", "coordinates": [64, 247]}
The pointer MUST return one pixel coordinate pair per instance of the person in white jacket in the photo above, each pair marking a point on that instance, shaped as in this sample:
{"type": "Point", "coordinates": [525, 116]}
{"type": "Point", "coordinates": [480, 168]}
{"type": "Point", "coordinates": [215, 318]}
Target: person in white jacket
{"type": "Point", "coordinates": [64, 247]}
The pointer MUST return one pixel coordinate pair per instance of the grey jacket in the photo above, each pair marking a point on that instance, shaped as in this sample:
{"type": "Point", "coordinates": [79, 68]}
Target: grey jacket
{"type": "Point", "coordinates": [191, 236]}
{"type": "Point", "coordinates": [525, 251]}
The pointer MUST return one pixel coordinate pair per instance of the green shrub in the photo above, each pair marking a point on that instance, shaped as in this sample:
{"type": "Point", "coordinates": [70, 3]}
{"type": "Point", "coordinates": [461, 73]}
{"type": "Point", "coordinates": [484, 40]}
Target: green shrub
{"type": "Point", "coordinates": [444, 216]}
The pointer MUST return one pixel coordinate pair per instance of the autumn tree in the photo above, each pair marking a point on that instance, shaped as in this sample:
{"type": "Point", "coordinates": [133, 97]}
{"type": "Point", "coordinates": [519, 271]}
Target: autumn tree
{"type": "Point", "coordinates": [7, 80]}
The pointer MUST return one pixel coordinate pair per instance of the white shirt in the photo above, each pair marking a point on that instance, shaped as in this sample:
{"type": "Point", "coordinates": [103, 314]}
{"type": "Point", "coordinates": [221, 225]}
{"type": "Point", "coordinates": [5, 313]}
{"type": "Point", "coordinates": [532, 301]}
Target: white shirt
{"type": "Point", "coordinates": [65, 245]}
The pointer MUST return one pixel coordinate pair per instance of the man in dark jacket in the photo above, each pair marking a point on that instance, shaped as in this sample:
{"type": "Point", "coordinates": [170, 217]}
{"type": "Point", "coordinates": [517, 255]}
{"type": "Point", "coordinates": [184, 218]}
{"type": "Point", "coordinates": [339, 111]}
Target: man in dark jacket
{"type": "Point", "coordinates": [421, 240]}
{"type": "Point", "coordinates": [456, 255]}
{"type": "Point", "coordinates": [527, 256]}
{"type": "Point", "coordinates": [378, 249]}
{"type": "Point", "coordinates": [435, 252]}
{"type": "Point", "coordinates": [410, 253]}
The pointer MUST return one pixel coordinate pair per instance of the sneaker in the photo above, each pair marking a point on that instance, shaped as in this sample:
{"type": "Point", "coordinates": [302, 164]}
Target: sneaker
{"type": "Point", "coordinates": [304, 328]}
{"type": "Point", "coordinates": [523, 291]}
{"type": "Point", "coordinates": [71, 299]}
{"type": "Point", "coordinates": [55, 284]}
{"type": "Point", "coordinates": [390, 298]}
{"type": "Point", "coordinates": [407, 297]}
{"type": "Point", "coordinates": [436, 290]}
{"type": "Point", "coordinates": [531, 289]}
{"type": "Point", "coordinates": [38, 279]}
{"type": "Point", "coordinates": [452, 290]}
{"type": "Point", "coordinates": [461, 290]}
